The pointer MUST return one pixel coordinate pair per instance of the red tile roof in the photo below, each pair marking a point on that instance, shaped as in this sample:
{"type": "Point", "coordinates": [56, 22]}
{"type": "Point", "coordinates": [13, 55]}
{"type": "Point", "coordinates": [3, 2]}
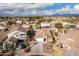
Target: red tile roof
{"type": "Point", "coordinates": [42, 33]}
{"type": "Point", "coordinates": [14, 27]}
{"type": "Point", "coordinates": [71, 39]}
{"type": "Point", "coordinates": [12, 39]}
{"type": "Point", "coordinates": [22, 29]}
{"type": "Point", "coordinates": [19, 27]}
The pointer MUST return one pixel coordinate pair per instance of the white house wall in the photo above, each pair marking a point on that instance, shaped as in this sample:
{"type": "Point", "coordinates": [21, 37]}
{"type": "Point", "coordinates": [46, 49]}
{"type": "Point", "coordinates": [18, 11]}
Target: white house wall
{"type": "Point", "coordinates": [17, 34]}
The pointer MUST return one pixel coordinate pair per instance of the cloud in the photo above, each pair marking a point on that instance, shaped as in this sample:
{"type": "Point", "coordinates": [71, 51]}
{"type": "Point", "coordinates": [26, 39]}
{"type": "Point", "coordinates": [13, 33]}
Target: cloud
{"type": "Point", "coordinates": [76, 7]}
{"type": "Point", "coordinates": [25, 6]}
{"type": "Point", "coordinates": [68, 10]}
{"type": "Point", "coordinates": [22, 8]}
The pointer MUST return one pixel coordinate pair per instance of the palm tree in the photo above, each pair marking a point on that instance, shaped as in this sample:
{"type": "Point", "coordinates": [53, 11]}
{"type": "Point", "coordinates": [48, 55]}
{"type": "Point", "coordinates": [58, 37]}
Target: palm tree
{"type": "Point", "coordinates": [53, 37]}
{"type": "Point", "coordinates": [27, 41]}
{"type": "Point", "coordinates": [30, 33]}
{"type": "Point", "coordinates": [29, 36]}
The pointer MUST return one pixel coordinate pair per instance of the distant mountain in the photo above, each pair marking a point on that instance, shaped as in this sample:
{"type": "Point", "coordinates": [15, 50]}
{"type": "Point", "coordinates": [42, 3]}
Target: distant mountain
{"type": "Point", "coordinates": [1, 14]}
{"type": "Point", "coordinates": [65, 15]}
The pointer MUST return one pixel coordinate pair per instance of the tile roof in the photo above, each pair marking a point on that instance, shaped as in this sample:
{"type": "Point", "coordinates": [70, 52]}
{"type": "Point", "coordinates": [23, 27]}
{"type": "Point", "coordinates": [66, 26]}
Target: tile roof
{"type": "Point", "coordinates": [12, 39]}
{"type": "Point", "coordinates": [71, 39]}
{"type": "Point", "coordinates": [22, 29]}
{"type": "Point", "coordinates": [42, 33]}
{"type": "Point", "coordinates": [19, 27]}
{"type": "Point", "coordinates": [14, 27]}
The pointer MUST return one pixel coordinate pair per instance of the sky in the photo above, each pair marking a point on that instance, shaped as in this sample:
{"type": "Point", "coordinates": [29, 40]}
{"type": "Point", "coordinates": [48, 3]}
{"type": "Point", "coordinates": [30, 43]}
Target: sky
{"type": "Point", "coordinates": [38, 9]}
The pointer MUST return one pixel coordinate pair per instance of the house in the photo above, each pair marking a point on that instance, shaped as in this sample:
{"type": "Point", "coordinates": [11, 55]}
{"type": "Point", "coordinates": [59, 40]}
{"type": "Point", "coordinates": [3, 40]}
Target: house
{"type": "Point", "coordinates": [21, 29]}
{"type": "Point", "coordinates": [77, 26]}
{"type": "Point", "coordinates": [45, 25]}
{"type": "Point", "coordinates": [3, 27]}
{"type": "Point", "coordinates": [66, 24]}
{"type": "Point", "coordinates": [25, 26]}
{"type": "Point", "coordinates": [3, 23]}
{"type": "Point", "coordinates": [19, 22]}
{"type": "Point", "coordinates": [19, 33]}
{"type": "Point", "coordinates": [14, 27]}
{"type": "Point", "coordinates": [70, 43]}
{"type": "Point", "coordinates": [18, 36]}
{"type": "Point", "coordinates": [73, 26]}
{"type": "Point", "coordinates": [33, 25]}
{"type": "Point", "coordinates": [43, 35]}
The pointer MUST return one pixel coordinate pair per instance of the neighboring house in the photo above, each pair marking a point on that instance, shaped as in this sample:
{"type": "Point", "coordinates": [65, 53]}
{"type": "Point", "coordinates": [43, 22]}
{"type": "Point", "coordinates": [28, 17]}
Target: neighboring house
{"type": "Point", "coordinates": [3, 27]}
{"type": "Point", "coordinates": [3, 23]}
{"type": "Point", "coordinates": [20, 33]}
{"type": "Point", "coordinates": [19, 22]}
{"type": "Point", "coordinates": [45, 25]}
{"type": "Point", "coordinates": [18, 36]}
{"type": "Point", "coordinates": [33, 25]}
{"type": "Point", "coordinates": [77, 26]}
{"type": "Point", "coordinates": [14, 27]}
{"type": "Point", "coordinates": [43, 35]}
{"type": "Point", "coordinates": [70, 43]}
{"type": "Point", "coordinates": [73, 26]}
{"type": "Point", "coordinates": [25, 26]}
{"type": "Point", "coordinates": [65, 24]}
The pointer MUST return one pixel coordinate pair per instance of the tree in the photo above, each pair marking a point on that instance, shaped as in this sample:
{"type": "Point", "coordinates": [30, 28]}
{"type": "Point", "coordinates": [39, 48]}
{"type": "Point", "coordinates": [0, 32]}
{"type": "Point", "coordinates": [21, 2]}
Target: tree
{"type": "Point", "coordinates": [31, 32]}
{"type": "Point", "coordinates": [29, 37]}
{"type": "Point", "coordinates": [27, 41]}
{"type": "Point", "coordinates": [49, 20]}
{"type": "Point", "coordinates": [66, 30]}
{"type": "Point", "coordinates": [56, 34]}
{"type": "Point", "coordinates": [10, 22]}
{"type": "Point", "coordinates": [53, 37]}
{"type": "Point", "coordinates": [72, 26]}
{"type": "Point", "coordinates": [72, 20]}
{"type": "Point", "coordinates": [58, 25]}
